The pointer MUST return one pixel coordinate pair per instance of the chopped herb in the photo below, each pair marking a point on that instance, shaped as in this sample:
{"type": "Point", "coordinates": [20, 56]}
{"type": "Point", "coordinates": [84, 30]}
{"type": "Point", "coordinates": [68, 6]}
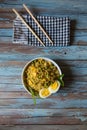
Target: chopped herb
{"type": "Point", "coordinates": [33, 95]}
{"type": "Point", "coordinates": [60, 79]}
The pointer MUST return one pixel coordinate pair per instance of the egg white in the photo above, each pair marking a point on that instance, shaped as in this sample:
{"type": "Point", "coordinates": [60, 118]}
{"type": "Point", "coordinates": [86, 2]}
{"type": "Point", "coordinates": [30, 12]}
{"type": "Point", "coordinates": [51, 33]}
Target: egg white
{"type": "Point", "coordinates": [40, 94]}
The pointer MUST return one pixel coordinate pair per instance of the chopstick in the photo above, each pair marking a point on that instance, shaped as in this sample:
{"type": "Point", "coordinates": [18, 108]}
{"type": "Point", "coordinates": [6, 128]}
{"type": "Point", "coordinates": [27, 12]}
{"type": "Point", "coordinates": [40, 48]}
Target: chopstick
{"type": "Point", "coordinates": [27, 9]}
{"type": "Point", "coordinates": [28, 26]}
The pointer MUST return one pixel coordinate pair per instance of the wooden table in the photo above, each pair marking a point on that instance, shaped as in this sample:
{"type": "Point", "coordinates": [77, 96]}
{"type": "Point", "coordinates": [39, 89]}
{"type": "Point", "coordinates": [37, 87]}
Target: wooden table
{"type": "Point", "coordinates": [68, 108]}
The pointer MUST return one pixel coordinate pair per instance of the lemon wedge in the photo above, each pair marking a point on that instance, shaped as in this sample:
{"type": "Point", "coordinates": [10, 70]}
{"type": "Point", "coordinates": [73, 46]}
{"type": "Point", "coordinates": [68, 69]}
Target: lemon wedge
{"type": "Point", "coordinates": [53, 88]}
{"type": "Point", "coordinates": [44, 93]}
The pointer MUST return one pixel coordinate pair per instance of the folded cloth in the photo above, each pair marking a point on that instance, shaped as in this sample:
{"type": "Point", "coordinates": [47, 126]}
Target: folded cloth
{"type": "Point", "coordinates": [57, 28]}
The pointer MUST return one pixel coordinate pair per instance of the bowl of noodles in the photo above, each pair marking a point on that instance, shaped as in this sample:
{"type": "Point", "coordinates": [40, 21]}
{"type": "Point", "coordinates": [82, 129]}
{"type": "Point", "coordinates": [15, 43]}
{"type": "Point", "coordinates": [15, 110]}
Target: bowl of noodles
{"type": "Point", "coordinates": [42, 77]}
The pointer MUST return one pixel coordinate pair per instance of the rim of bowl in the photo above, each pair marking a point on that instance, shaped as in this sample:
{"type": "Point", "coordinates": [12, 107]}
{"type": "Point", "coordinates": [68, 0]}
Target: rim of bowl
{"type": "Point", "coordinates": [45, 58]}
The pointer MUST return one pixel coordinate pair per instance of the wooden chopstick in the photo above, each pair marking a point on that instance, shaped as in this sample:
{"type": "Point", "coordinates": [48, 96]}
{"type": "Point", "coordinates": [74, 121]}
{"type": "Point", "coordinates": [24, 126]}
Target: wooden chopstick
{"type": "Point", "coordinates": [27, 9]}
{"type": "Point", "coordinates": [28, 26]}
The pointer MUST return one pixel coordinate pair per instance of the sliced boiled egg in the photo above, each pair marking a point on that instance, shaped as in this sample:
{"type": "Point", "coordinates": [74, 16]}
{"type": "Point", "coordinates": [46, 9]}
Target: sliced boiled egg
{"type": "Point", "coordinates": [53, 88]}
{"type": "Point", "coordinates": [44, 93]}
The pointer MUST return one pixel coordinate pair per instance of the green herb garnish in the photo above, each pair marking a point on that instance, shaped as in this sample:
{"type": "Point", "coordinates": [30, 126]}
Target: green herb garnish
{"type": "Point", "coordinates": [33, 95]}
{"type": "Point", "coordinates": [60, 79]}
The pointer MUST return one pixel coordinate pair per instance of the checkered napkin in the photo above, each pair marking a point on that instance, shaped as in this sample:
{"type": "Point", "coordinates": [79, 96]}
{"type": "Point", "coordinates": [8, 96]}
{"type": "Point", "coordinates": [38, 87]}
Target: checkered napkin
{"type": "Point", "coordinates": [57, 28]}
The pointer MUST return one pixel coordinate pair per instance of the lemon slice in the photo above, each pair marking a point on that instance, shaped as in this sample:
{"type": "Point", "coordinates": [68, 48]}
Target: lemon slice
{"type": "Point", "coordinates": [44, 93]}
{"type": "Point", "coordinates": [53, 88]}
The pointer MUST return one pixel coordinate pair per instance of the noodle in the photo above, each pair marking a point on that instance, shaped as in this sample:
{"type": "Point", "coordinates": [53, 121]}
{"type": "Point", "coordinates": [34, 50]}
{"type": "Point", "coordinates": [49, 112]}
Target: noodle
{"type": "Point", "coordinates": [41, 73]}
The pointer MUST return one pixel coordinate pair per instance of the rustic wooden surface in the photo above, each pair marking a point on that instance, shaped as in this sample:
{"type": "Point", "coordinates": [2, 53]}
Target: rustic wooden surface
{"type": "Point", "coordinates": [66, 109]}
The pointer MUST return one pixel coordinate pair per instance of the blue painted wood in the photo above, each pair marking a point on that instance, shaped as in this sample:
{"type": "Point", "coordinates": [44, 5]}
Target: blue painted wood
{"type": "Point", "coordinates": [25, 53]}
{"type": "Point", "coordinates": [46, 112]}
{"type": "Point", "coordinates": [8, 33]}
{"type": "Point", "coordinates": [32, 114]}
{"type": "Point", "coordinates": [50, 103]}
{"type": "Point", "coordinates": [69, 105]}
{"type": "Point", "coordinates": [59, 4]}
{"type": "Point", "coordinates": [65, 94]}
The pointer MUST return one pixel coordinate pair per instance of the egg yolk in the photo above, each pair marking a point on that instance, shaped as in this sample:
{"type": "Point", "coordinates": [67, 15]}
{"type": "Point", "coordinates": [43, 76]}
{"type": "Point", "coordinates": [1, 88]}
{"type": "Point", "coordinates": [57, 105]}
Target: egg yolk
{"type": "Point", "coordinates": [54, 86]}
{"type": "Point", "coordinates": [45, 92]}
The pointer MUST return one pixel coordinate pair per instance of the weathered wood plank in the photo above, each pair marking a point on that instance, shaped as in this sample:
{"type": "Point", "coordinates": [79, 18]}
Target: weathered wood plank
{"type": "Point", "coordinates": [5, 39]}
{"type": "Point", "coordinates": [6, 24]}
{"type": "Point", "coordinates": [5, 33]}
{"type": "Point", "coordinates": [43, 127]}
{"type": "Point", "coordinates": [46, 112]}
{"type": "Point", "coordinates": [9, 80]}
{"type": "Point", "coordinates": [42, 120]}
{"type": "Point", "coordinates": [8, 87]}
{"type": "Point", "coordinates": [59, 95]}
{"type": "Point", "coordinates": [28, 116]}
{"type": "Point", "coordinates": [68, 6]}
{"type": "Point", "coordinates": [62, 102]}
{"type": "Point", "coordinates": [22, 52]}
{"type": "Point", "coordinates": [78, 35]}
{"type": "Point", "coordinates": [62, 63]}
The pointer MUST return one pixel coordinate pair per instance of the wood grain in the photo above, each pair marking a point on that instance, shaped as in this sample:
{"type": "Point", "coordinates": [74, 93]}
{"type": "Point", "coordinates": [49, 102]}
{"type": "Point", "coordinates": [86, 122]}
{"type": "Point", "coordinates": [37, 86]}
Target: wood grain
{"type": "Point", "coordinates": [23, 52]}
{"type": "Point", "coordinates": [72, 6]}
{"type": "Point", "coordinates": [50, 103]}
{"type": "Point", "coordinates": [15, 116]}
{"type": "Point", "coordinates": [42, 127]}
{"type": "Point", "coordinates": [66, 109]}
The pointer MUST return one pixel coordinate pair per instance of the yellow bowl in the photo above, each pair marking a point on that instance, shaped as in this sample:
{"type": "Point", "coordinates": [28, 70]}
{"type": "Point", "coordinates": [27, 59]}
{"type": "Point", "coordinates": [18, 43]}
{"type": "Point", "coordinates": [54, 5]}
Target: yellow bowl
{"type": "Point", "coordinates": [25, 68]}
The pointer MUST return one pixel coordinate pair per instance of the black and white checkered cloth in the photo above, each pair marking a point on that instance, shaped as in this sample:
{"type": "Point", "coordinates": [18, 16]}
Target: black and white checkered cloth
{"type": "Point", "coordinates": [57, 28]}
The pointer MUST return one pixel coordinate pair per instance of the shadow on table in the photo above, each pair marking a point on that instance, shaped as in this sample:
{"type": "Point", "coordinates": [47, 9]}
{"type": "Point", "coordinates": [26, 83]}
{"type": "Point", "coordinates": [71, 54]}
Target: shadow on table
{"type": "Point", "coordinates": [68, 76]}
{"type": "Point", "coordinates": [72, 31]}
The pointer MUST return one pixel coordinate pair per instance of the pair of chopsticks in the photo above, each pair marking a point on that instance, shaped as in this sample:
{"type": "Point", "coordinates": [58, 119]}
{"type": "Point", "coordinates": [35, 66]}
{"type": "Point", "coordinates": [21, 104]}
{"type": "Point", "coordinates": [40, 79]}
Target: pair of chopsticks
{"type": "Point", "coordinates": [26, 8]}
